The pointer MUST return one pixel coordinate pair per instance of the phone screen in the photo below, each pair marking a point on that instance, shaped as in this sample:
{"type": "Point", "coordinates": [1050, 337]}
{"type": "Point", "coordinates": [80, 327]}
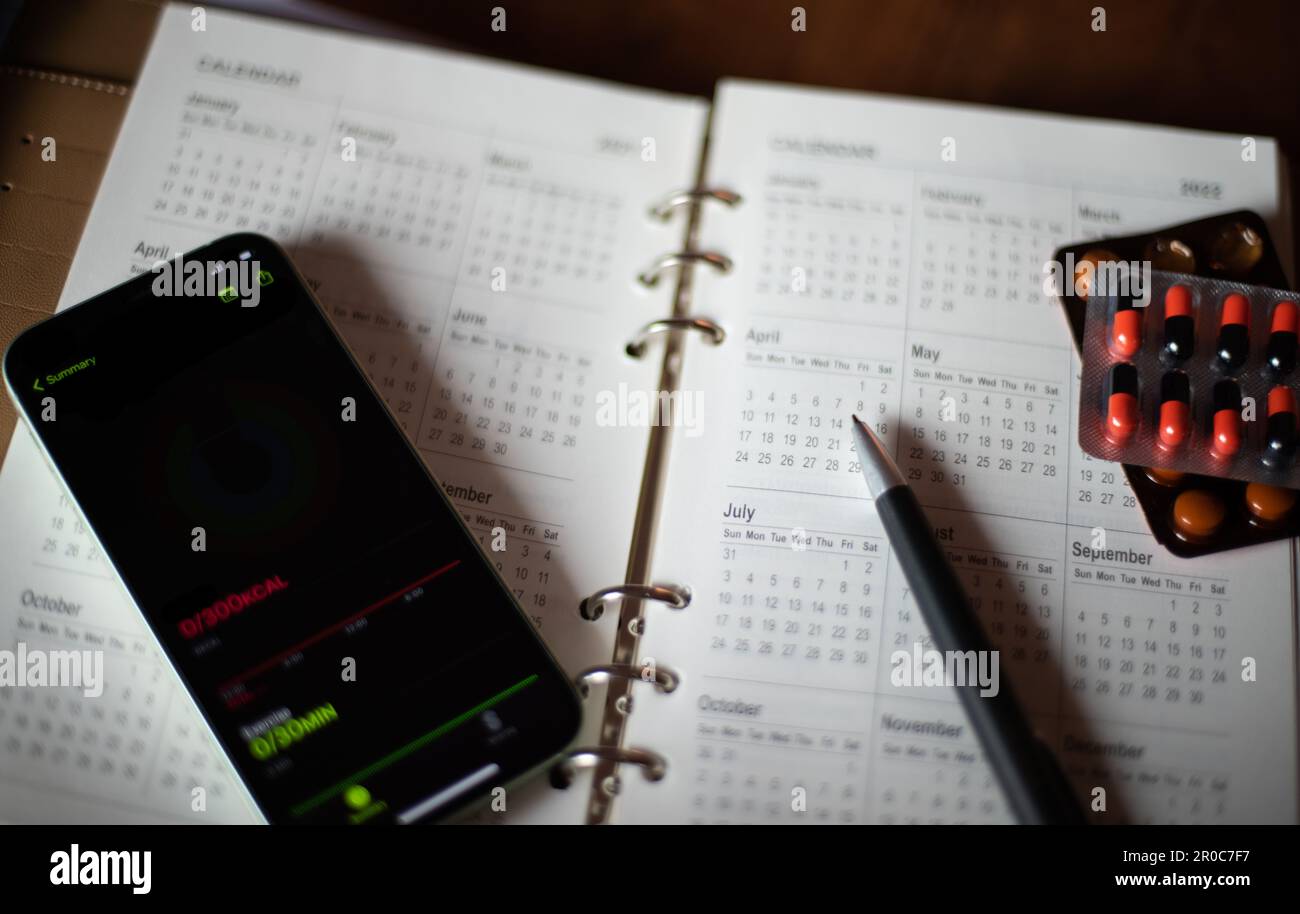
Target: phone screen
{"type": "Point", "coordinates": [349, 644]}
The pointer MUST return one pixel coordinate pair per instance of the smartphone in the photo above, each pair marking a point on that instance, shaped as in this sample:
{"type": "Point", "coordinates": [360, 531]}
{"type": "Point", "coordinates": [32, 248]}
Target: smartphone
{"type": "Point", "coordinates": [336, 623]}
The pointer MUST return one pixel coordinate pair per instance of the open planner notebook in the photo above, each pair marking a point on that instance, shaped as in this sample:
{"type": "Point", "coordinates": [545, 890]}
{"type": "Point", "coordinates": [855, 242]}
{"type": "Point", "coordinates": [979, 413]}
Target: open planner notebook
{"type": "Point", "coordinates": [883, 255]}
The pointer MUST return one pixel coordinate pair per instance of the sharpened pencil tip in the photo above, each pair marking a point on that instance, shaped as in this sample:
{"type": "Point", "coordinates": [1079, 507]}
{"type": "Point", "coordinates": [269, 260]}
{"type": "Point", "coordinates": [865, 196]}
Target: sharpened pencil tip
{"type": "Point", "coordinates": [878, 467]}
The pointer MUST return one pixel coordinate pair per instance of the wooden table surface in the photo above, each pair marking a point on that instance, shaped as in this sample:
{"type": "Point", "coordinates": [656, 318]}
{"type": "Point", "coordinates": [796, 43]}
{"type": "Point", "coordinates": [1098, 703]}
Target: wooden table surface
{"type": "Point", "coordinates": [1228, 66]}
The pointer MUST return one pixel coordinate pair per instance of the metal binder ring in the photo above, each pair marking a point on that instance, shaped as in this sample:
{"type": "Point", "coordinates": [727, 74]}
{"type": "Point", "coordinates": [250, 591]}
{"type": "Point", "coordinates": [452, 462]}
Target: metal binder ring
{"type": "Point", "coordinates": [593, 607]}
{"type": "Point", "coordinates": [653, 765]}
{"type": "Point", "coordinates": [664, 678]}
{"type": "Point", "coordinates": [663, 210]}
{"type": "Point", "coordinates": [637, 347]}
{"type": "Point", "coordinates": [719, 262]}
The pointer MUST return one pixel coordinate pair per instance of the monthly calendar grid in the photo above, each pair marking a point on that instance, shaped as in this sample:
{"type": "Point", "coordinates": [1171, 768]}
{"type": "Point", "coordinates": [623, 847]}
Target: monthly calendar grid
{"type": "Point", "coordinates": [1033, 637]}
{"type": "Point", "coordinates": [437, 353]}
{"type": "Point", "coordinates": [871, 770]}
{"type": "Point", "coordinates": [320, 168]}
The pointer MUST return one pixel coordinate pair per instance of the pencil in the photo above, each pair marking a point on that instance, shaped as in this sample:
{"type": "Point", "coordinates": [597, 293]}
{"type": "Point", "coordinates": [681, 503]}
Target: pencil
{"type": "Point", "coordinates": [1036, 788]}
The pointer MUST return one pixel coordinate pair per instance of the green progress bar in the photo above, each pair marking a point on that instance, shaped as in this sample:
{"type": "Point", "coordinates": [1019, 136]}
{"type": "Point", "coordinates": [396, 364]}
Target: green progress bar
{"type": "Point", "coordinates": [403, 751]}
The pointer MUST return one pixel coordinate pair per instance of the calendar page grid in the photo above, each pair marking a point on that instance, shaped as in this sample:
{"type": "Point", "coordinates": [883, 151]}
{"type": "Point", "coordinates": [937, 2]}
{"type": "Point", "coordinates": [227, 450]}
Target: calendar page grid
{"type": "Point", "coordinates": [475, 249]}
{"type": "Point", "coordinates": [948, 345]}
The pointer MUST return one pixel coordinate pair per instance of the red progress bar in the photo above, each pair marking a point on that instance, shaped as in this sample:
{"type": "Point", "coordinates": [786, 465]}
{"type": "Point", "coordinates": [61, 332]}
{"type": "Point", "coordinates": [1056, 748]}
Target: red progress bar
{"type": "Point", "coordinates": [326, 632]}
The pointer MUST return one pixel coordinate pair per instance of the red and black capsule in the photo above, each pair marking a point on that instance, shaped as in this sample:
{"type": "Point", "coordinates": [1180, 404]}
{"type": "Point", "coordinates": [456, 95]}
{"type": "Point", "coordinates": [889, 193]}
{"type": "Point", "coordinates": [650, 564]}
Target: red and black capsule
{"type": "Point", "coordinates": [1281, 351]}
{"type": "Point", "coordinates": [1175, 410]}
{"type": "Point", "coordinates": [1226, 439]}
{"type": "Point", "coordinates": [1122, 415]}
{"type": "Point", "coordinates": [1279, 436]}
{"type": "Point", "coordinates": [1234, 331]}
{"type": "Point", "coordinates": [1180, 332]}
{"type": "Point", "coordinates": [1126, 328]}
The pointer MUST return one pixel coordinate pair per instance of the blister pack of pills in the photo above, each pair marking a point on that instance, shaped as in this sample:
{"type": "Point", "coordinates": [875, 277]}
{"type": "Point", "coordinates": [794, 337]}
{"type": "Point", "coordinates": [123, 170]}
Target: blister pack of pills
{"type": "Point", "coordinates": [1199, 379]}
{"type": "Point", "coordinates": [1190, 513]}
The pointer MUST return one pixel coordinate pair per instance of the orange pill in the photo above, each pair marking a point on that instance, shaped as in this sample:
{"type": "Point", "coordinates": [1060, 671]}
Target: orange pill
{"type": "Point", "coordinates": [1164, 477]}
{"type": "Point", "coordinates": [1286, 318]}
{"type": "Point", "coordinates": [1282, 335]}
{"type": "Point", "coordinates": [1122, 413]}
{"type": "Point", "coordinates": [1126, 332]}
{"type": "Point", "coordinates": [1236, 310]}
{"type": "Point", "coordinates": [1236, 249]}
{"type": "Point", "coordinates": [1175, 417]}
{"type": "Point", "coordinates": [1122, 418]}
{"type": "Point", "coordinates": [1178, 301]}
{"type": "Point", "coordinates": [1180, 326]}
{"type": "Point", "coordinates": [1280, 431]}
{"type": "Point", "coordinates": [1227, 434]}
{"type": "Point", "coordinates": [1269, 504]}
{"type": "Point", "coordinates": [1227, 420]}
{"type": "Point", "coordinates": [1234, 331]}
{"type": "Point", "coordinates": [1198, 515]}
{"type": "Point", "coordinates": [1175, 410]}
{"type": "Point", "coordinates": [1085, 271]}
{"type": "Point", "coordinates": [1170, 254]}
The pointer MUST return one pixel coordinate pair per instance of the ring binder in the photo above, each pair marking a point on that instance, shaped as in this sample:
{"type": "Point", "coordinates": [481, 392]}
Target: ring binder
{"type": "Point", "coordinates": [593, 607]}
{"type": "Point", "coordinates": [664, 679]}
{"type": "Point", "coordinates": [653, 765]}
{"type": "Point", "coordinates": [665, 208]}
{"type": "Point", "coordinates": [637, 346]}
{"type": "Point", "coordinates": [650, 276]}
{"type": "Point", "coordinates": [624, 669]}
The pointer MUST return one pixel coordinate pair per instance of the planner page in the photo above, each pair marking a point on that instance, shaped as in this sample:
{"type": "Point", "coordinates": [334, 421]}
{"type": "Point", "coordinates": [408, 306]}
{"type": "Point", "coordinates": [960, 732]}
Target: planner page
{"type": "Point", "coordinates": [474, 231]}
{"type": "Point", "coordinates": [889, 262]}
